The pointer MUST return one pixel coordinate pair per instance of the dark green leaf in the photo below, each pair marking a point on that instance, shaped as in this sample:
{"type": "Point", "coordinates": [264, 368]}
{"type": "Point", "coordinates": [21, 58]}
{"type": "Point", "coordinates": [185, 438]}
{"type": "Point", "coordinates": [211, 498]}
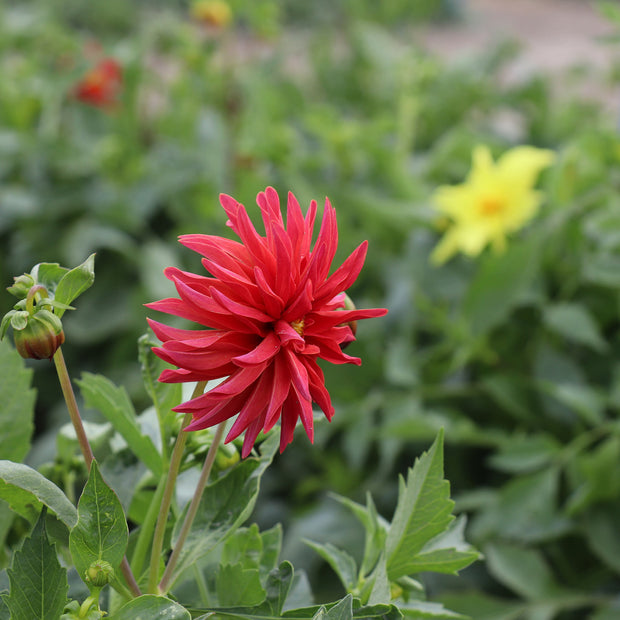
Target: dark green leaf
{"type": "Point", "coordinates": [573, 322]}
{"type": "Point", "coordinates": [75, 282]}
{"type": "Point", "coordinates": [112, 401]}
{"type": "Point", "coordinates": [38, 583]}
{"type": "Point", "coordinates": [238, 587]}
{"type": "Point", "coordinates": [26, 490]}
{"type": "Point", "coordinates": [342, 610]}
{"type": "Point", "coordinates": [600, 525]}
{"type": "Point", "coordinates": [423, 511]}
{"type": "Point", "coordinates": [101, 531]}
{"type": "Point", "coordinates": [151, 607]}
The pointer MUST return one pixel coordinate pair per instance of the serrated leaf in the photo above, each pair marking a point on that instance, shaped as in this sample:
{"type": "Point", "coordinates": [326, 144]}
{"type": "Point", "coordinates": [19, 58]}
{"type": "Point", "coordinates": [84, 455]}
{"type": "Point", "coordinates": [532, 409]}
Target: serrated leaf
{"type": "Point", "coordinates": [112, 401]}
{"type": "Point", "coordinates": [38, 583]}
{"type": "Point", "coordinates": [151, 607]}
{"type": "Point", "coordinates": [225, 505]}
{"type": "Point", "coordinates": [238, 586]}
{"type": "Point", "coordinates": [101, 532]}
{"type": "Point", "coordinates": [74, 282]}
{"type": "Point", "coordinates": [423, 511]}
{"type": "Point", "coordinates": [446, 553]}
{"type": "Point", "coordinates": [340, 561]}
{"type": "Point", "coordinates": [26, 490]}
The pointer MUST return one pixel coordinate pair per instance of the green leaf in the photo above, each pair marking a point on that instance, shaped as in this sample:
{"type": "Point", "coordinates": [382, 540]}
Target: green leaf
{"type": "Point", "coordinates": [112, 401]}
{"type": "Point", "coordinates": [573, 322]}
{"type": "Point", "coordinates": [225, 505]}
{"type": "Point", "coordinates": [600, 526]}
{"type": "Point", "coordinates": [49, 275]}
{"type": "Point", "coordinates": [26, 490]}
{"type": "Point", "coordinates": [446, 553]}
{"type": "Point", "coordinates": [38, 583]}
{"type": "Point", "coordinates": [525, 453]}
{"type": "Point", "coordinates": [342, 610]}
{"type": "Point", "coordinates": [101, 531]}
{"type": "Point", "coordinates": [375, 526]}
{"type": "Point", "coordinates": [253, 549]}
{"type": "Point", "coordinates": [238, 587]}
{"type": "Point", "coordinates": [524, 571]}
{"type": "Point", "coordinates": [74, 282]}
{"type": "Point", "coordinates": [165, 396]}
{"type": "Point", "coordinates": [151, 607]}
{"type": "Point", "coordinates": [342, 563]}
{"type": "Point", "coordinates": [423, 511]}
{"type": "Point", "coordinates": [501, 283]}
{"type": "Point", "coordinates": [17, 398]}
{"type": "Point", "coordinates": [421, 610]}
{"type": "Point", "coordinates": [379, 584]}
{"type": "Point", "coordinates": [278, 586]}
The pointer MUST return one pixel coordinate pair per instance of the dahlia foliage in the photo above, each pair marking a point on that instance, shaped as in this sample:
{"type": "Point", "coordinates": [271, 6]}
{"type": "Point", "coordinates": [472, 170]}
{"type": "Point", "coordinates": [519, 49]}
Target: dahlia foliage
{"type": "Point", "coordinates": [272, 310]}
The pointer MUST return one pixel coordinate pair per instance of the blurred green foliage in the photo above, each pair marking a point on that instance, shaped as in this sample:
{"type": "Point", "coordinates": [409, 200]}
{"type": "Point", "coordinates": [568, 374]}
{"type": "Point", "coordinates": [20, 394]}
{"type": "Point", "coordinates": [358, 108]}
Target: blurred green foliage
{"type": "Point", "coordinates": [515, 356]}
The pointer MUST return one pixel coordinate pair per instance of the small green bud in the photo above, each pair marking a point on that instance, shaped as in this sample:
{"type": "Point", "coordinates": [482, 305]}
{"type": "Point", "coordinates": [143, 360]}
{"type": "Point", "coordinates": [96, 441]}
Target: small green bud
{"type": "Point", "coordinates": [40, 337]}
{"type": "Point", "coordinates": [21, 286]}
{"type": "Point", "coordinates": [99, 573]}
{"type": "Point", "coordinates": [227, 455]}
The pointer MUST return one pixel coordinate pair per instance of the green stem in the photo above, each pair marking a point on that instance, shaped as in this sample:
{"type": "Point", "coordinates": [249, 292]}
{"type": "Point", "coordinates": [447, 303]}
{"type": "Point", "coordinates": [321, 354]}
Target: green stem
{"type": "Point", "coordinates": [146, 529]}
{"type": "Point", "coordinates": [162, 518]}
{"type": "Point", "coordinates": [166, 579]}
{"type": "Point", "coordinates": [74, 412]}
{"type": "Point", "coordinates": [76, 419]}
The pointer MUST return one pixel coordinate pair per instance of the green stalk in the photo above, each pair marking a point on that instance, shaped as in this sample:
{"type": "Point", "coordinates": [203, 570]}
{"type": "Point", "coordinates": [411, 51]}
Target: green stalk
{"type": "Point", "coordinates": [76, 419]}
{"type": "Point", "coordinates": [166, 579]}
{"type": "Point", "coordinates": [162, 518]}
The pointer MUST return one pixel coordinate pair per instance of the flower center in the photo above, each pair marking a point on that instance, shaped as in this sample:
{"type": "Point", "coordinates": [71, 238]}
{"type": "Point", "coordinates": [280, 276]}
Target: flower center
{"type": "Point", "coordinates": [491, 205]}
{"type": "Point", "coordinates": [298, 326]}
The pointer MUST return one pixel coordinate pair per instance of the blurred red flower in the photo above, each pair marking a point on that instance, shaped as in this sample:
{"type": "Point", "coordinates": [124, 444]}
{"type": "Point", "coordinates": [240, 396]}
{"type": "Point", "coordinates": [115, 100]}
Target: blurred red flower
{"type": "Point", "coordinates": [272, 310]}
{"type": "Point", "coordinates": [101, 86]}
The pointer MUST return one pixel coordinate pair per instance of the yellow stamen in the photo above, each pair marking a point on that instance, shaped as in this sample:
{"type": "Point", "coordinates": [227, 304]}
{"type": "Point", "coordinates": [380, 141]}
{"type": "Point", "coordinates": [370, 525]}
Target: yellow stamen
{"type": "Point", "coordinates": [491, 206]}
{"type": "Point", "coordinates": [298, 326]}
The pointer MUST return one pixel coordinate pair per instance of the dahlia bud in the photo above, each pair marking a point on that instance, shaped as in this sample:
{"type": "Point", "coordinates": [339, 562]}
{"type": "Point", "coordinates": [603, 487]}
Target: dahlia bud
{"type": "Point", "coordinates": [227, 456]}
{"type": "Point", "coordinates": [40, 337]}
{"type": "Point", "coordinates": [21, 286]}
{"type": "Point", "coordinates": [349, 305]}
{"type": "Point", "coordinates": [99, 573]}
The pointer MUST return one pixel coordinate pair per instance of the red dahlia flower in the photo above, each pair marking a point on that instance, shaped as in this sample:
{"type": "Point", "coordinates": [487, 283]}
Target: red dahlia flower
{"type": "Point", "coordinates": [101, 86]}
{"type": "Point", "coordinates": [272, 310]}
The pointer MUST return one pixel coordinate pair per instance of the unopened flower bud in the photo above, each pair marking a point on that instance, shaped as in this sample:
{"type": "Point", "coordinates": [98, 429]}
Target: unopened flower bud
{"type": "Point", "coordinates": [21, 286]}
{"type": "Point", "coordinates": [99, 573]}
{"type": "Point", "coordinates": [41, 336]}
{"type": "Point", "coordinates": [227, 455]}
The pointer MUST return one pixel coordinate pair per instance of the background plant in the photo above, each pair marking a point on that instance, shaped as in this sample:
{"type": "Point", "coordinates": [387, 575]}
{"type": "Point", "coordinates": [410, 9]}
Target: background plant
{"type": "Point", "coordinates": [515, 356]}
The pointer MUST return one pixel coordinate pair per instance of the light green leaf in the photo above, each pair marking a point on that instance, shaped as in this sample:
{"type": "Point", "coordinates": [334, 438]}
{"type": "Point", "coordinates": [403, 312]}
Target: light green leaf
{"type": "Point", "coordinates": [342, 610]}
{"type": "Point", "coordinates": [573, 322]}
{"type": "Point", "coordinates": [38, 583]}
{"type": "Point", "coordinates": [17, 398]}
{"type": "Point", "coordinates": [151, 607]}
{"type": "Point", "coordinates": [101, 531]}
{"type": "Point", "coordinates": [49, 275]}
{"type": "Point", "coordinates": [380, 593]}
{"type": "Point", "coordinates": [26, 490]}
{"type": "Point", "coordinates": [423, 511]}
{"type": "Point", "coordinates": [225, 505]}
{"type": "Point", "coordinates": [525, 453]}
{"type": "Point", "coordinates": [446, 553]}
{"type": "Point", "coordinates": [238, 587]}
{"type": "Point", "coordinates": [112, 401]}
{"type": "Point", "coordinates": [421, 610]}
{"type": "Point", "coordinates": [278, 586]}
{"type": "Point", "coordinates": [341, 562]}
{"type": "Point", "coordinates": [74, 282]}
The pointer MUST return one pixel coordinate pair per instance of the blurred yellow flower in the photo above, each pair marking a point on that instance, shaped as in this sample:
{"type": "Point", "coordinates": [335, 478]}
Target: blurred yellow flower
{"type": "Point", "coordinates": [497, 198]}
{"type": "Point", "coordinates": [215, 13]}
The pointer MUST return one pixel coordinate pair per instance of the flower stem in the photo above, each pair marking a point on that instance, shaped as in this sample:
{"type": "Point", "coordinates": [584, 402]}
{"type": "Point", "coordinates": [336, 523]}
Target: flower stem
{"type": "Point", "coordinates": [74, 412]}
{"type": "Point", "coordinates": [165, 582]}
{"type": "Point", "coordinates": [162, 518]}
{"type": "Point", "coordinates": [76, 419]}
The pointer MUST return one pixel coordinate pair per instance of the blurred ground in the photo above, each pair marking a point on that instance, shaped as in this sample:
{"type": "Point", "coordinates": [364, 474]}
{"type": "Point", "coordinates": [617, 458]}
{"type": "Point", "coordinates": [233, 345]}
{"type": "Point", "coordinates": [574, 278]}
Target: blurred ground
{"type": "Point", "coordinates": [555, 35]}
